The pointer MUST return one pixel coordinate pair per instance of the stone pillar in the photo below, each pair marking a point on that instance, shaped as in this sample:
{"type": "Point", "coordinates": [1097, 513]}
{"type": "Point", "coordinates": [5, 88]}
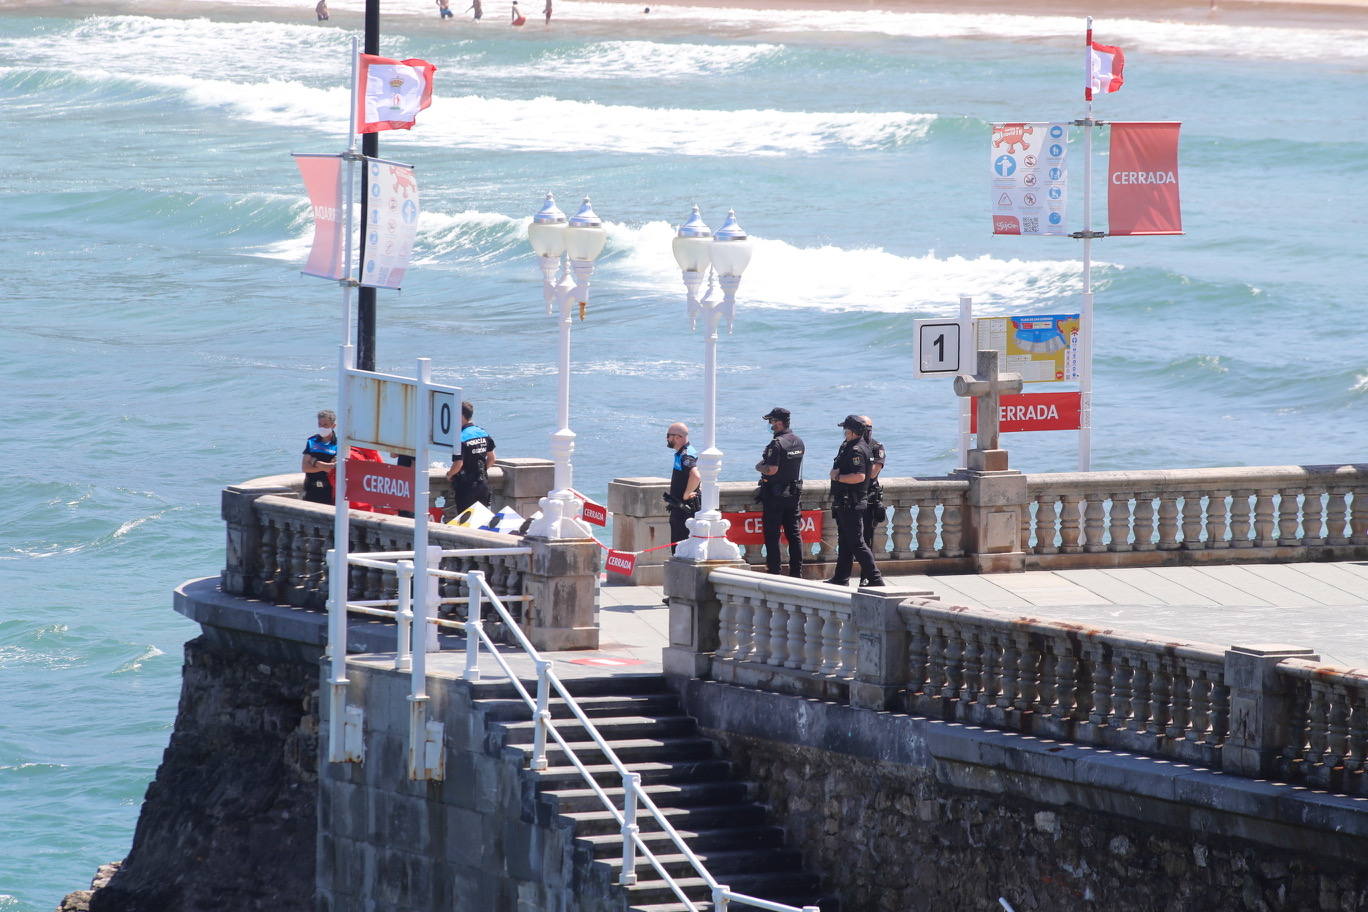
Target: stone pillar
{"type": "Point", "coordinates": [640, 521]}
{"type": "Point", "coordinates": [694, 613]}
{"type": "Point", "coordinates": [1260, 706]}
{"type": "Point", "coordinates": [881, 664]}
{"type": "Point", "coordinates": [525, 481]}
{"type": "Point", "coordinates": [996, 506]}
{"type": "Point", "coordinates": [562, 579]}
{"type": "Point", "coordinates": [244, 532]}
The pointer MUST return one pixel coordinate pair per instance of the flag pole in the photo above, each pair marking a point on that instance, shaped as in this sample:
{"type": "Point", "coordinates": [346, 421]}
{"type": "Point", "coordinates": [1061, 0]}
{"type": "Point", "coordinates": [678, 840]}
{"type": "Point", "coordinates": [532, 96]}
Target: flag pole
{"type": "Point", "coordinates": [1085, 361]}
{"type": "Point", "coordinates": [370, 146]}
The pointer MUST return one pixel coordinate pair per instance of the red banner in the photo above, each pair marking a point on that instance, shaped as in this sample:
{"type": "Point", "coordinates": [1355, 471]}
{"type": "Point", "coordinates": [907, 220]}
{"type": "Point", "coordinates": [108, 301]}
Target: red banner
{"type": "Point", "coordinates": [323, 180]}
{"type": "Point", "coordinates": [1036, 412]}
{"type": "Point", "coordinates": [1142, 184]}
{"type": "Point", "coordinates": [595, 514]}
{"type": "Point", "coordinates": [749, 529]}
{"type": "Point", "coordinates": [380, 484]}
{"type": "Point", "coordinates": [623, 562]}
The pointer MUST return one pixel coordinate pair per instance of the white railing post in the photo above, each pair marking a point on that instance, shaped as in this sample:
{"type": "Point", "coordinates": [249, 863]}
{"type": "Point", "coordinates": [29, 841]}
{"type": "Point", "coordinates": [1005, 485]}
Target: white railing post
{"type": "Point", "coordinates": [473, 627]}
{"type": "Point", "coordinates": [403, 616]}
{"type": "Point", "coordinates": [543, 717]}
{"type": "Point", "coordinates": [719, 898]}
{"type": "Point", "coordinates": [630, 783]}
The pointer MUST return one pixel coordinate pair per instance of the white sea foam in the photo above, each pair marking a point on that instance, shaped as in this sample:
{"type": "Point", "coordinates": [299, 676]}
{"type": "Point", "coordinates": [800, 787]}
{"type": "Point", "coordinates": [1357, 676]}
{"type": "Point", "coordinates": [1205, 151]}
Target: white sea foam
{"type": "Point", "coordinates": [618, 59]}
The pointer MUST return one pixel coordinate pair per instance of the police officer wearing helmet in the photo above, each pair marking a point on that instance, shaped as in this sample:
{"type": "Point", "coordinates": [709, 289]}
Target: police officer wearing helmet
{"type": "Point", "coordinates": [850, 499]}
{"type": "Point", "coordinates": [877, 456]}
{"type": "Point", "coordinates": [781, 484]}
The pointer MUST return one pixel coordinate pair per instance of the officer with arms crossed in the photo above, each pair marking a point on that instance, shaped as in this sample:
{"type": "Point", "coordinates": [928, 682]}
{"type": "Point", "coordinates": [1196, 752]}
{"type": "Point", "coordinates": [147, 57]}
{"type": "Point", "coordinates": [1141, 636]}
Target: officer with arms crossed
{"type": "Point", "coordinates": [683, 497]}
{"type": "Point", "coordinates": [319, 459]}
{"type": "Point", "coordinates": [469, 472]}
{"type": "Point", "coordinates": [850, 497]}
{"type": "Point", "coordinates": [781, 485]}
{"type": "Point", "coordinates": [875, 513]}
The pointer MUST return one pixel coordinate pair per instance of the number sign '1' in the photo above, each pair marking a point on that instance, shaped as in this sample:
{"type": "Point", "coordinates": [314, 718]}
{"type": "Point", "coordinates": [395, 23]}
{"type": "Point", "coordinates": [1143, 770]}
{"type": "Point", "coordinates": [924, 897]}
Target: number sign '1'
{"type": "Point", "coordinates": [938, 348]}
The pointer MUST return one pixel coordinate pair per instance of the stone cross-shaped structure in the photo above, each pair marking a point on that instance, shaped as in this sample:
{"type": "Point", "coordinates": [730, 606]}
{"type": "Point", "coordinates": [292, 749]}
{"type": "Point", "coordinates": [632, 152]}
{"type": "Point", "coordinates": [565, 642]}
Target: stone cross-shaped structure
{"type": "Point", "coordinates": [987, 387]}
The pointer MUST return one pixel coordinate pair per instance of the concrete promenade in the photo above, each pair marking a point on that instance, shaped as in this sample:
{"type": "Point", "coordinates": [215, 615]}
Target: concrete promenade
{"type": "Point", "coordinates": [1321, 605]}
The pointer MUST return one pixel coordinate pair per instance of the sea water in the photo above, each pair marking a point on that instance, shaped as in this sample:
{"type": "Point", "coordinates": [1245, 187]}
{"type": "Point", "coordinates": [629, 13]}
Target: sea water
{"type": "Point", "coordinates": [160, 343]}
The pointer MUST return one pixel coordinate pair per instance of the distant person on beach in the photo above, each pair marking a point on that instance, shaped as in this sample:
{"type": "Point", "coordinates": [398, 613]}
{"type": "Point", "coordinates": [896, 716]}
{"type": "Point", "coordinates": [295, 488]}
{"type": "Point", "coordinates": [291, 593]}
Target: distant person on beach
{"type": "Point", "coordinates": [547, 12]}
{"type": "Point", "coordinates": [518, 17]}
{"type": "Point", "coordinates": [322, 10]}
{"type": "Point", "coordinates": [470, 464]}
{"type": "Point", "coordinates": [444, 9]}
{"type": "Point", "coordinates": [320, 459]}
{"type": "Point", "coordinates": [683, 498]}
{"type": "Point", "coordinates": [478, 8]}
{"type": "Point", "coordinates": [646, 11]}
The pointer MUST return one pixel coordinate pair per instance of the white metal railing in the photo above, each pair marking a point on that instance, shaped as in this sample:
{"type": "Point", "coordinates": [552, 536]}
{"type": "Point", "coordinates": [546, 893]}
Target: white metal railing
{"type": "Point", "coordinates": [633, 794]}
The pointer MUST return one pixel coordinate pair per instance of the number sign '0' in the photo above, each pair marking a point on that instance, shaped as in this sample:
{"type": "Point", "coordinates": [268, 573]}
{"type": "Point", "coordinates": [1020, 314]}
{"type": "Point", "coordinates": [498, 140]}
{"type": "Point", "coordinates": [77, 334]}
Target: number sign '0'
{"type": "Point", "coordinates": [938, 348]}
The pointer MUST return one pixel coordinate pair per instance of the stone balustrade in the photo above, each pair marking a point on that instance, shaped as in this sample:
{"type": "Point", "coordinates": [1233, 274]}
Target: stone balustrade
{"type": "Point", "coordinates": [1260, 711]}
{"type": "Point", "coordinates": [277, 548]}
{"type": "Point", "coordinates": [1204, 514]}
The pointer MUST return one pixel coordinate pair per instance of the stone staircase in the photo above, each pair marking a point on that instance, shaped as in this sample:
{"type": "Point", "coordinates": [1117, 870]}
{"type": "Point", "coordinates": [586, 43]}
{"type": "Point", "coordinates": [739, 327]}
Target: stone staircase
{"type": "Point", "coordinates": [683, 772]}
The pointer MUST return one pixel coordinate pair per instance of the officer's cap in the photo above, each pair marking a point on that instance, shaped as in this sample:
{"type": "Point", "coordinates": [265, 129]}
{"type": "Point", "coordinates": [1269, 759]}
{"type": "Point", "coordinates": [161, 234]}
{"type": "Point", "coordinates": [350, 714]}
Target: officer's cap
{"type": "Point", "coordinates": [777, 414]}
{"type": "Point", "coordinates": [853, 423]}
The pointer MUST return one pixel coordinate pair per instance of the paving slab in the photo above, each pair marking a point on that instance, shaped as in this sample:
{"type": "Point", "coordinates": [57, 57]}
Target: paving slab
{"type": "Point", "coordinates": [1044, 589]}
{"type": "Point", "coordinates": [1217, 590]}
{"type": "Point", "coordinates": [1260, 587]}
{"type": "Point", "coordinates": [982, 592]}
{"type": "Point", "coordinates": [1106, 584]}
{"type": "Point", "coordinates": [1336, 575]}
{"type": "Point", "coordinates": [1161, 589]}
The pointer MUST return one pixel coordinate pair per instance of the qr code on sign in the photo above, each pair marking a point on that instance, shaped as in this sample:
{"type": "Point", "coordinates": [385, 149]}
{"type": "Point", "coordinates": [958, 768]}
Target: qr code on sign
{"type": "Point", "coordinates": [1030, 225]}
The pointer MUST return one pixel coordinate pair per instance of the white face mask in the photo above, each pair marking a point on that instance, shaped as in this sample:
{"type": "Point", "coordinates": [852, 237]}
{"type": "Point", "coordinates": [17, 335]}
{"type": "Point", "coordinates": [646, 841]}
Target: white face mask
{"type": "Point", "coordinates": [325, 432]}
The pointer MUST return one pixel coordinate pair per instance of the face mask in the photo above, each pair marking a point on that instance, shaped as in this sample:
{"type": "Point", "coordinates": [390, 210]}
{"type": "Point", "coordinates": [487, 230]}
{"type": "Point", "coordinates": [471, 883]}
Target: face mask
{"type": "Point", "coordinates": [325, 432]}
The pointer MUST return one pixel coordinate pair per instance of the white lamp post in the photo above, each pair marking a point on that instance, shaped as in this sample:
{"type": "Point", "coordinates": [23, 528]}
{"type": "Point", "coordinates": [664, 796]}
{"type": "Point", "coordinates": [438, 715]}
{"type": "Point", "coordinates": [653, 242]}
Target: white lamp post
{"type": "Point", "coordinates": [727, 252]}
{"type": "Point", "coordinates": [570, 246]}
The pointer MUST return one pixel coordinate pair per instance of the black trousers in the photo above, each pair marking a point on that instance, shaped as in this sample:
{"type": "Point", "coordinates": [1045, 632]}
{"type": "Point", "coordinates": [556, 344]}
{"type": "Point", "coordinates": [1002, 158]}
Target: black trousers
{"type": "Point", "coordinates": [465, 493]}
{"type": "Point", "coordinates": [782, 513]}
{"type": "Point", "coordinates": [318, 488]}
{"type": "Point", "coordinates": [851, 546]}
{"type": "Point", "coordinates": [873, 515]}
{"type": "Point", "coordinates": [679, 531]}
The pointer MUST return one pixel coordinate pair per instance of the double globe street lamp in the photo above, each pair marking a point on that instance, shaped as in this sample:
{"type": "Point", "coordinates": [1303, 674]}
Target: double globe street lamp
{"type": "Point", "coordinates": [722, 255]}
{"type": "Point", "coordinates": [566, 249]}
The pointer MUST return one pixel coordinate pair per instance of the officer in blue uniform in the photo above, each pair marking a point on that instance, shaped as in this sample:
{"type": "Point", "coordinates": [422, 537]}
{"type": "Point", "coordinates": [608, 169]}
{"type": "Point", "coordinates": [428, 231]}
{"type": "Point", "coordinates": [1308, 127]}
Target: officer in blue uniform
{"type": "Point", "coordinates": [469, 472]}
{"type": "Point", "coordinates": [319, 459]}
{"type": "Point", "coordinates": [850, 499]}
{"type": "Point", "coordinates": [683, 498]}
{"type": "Point", "coordinates": [781, 486]}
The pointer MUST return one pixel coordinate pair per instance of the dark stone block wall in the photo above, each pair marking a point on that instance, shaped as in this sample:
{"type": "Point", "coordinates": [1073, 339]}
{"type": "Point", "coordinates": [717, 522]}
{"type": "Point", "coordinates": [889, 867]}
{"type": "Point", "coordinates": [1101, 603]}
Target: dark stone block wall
{"type": "Point", "coordinates": [230, 821]}
{"type": "Point", "coordinates": [896, 838]}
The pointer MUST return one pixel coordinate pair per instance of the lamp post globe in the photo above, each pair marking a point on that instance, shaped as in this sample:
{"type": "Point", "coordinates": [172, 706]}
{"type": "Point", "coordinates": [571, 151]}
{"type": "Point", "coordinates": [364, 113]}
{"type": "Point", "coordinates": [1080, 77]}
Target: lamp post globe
{"type": "Point", "coordinates": [731, 249]}
{"type": "Point", "coordinates": [546, 234]}
{"type": "Point", "coordinates": [584, 236]}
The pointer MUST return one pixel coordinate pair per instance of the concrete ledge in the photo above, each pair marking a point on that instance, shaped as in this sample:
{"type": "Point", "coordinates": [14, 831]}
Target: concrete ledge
{"type": "Point", "coordinates": [1046, 771]}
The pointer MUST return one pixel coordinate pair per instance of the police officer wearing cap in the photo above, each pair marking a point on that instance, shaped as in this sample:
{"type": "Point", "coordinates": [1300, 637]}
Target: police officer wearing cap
{"type": "Point", "coordinates": [781, 485]}
{"type": "Point", "coordinates": [877, 456]}
{"type": "Point", "coordinates": [850, 498]}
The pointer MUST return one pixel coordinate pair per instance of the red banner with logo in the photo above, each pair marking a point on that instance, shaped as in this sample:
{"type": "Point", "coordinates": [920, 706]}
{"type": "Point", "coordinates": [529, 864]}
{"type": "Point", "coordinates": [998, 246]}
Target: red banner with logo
{"type": "Point", "coordinates": [749, 529]}
{"type": "Point", "coordinates": [1142, 182]}
{"type": "Point", "coordinates": [1036, 412]}
{"type": "Point", "coordinates": [380, 484]}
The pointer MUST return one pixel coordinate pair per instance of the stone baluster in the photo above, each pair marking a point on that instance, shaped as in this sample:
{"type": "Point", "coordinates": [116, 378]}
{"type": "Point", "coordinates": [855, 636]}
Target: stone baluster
{"type": "Point", "coordinates": [1318, 725]}
{"type": "Point", "coordinates": [811, 632]}
{"type": "Point", "coordinates": [778, 641]}
{"type": "Point", "coordinates": [268, 566]}
{"type": "Point", "coordinates": [299, 563]}
{"type": "Point", "coordinates": [926, 527]}
{"type": "Point", "coordinates": [952, 527]}
{"type": "Point", "coordinates": [901, 525]}
{"type": "Point", "coordinates": [972, 660]}
{"type": "Point", "coordinates": [1199, 718]}
{"type": "Point", "coordinates": [1313, 528]}
{"type": "Point", "coordinates": [1069, 527]}
{"type": "Point", "coordinates": [1337, 517]}
{"type": "Point", "coordinates": [918, 646]}
{"type": "Point", "coordinates": [1337, 729]}
{"type": "Point", "coordinates": [1123, 671]}
{"type": "Point", "coordinates": [1358, 520]}
{"type": "Point", "coordinates": [1094, 523]}
{"type": "Point", "coordinates": [743, 627]}
{"type": "Point", "coordinates": [1160, 696]}
{"type": "Point", "coordinates": [793, 633]}
{"type": "Point", "coordinates": [1356, 760]}
{"type": "Point", "coordinates": [1143, 521]}
{"type": "Point", "coordinates": [1027, 527]}
{"type": "Point", "coordinates": [850, 644]}
{"type": "Point", "coordinates": [1119, 527]}
{"type": "Point", "coordinates": [1027, 670]}
{"type": "Point", "coordinates": [1008, 693]}
{"type": "Point", "coordinates": [935, 659]}
{"type": "Point", "coordinates": [826, 552]}
{"type": "Point", "coordinates": [1100, 661]}
{"type": "Point", "coordinates": [1071, 699]}
{"type": "Point", "coordinates": [1288, 511]}
{"type": "Point", "coordinates": [1168, 521]}
{"type": "Point", "coordinates": [954, 671]}
{"type": "Point", "coordinates": [1216, 520]}
{"type": "Point", "coordinates": [726, 625]}
{"type": "Point", "coordinates": [830, 650]}
{"type": "Point", "coordinates": [990, 660]}
{"type": "Point", "coordinates": [315, 569]}
{"type": "Point", "coordinates": [754, 554]}
{"type": "Point", "coordinates": [1192, 522]}
{"type": "Point", "coordinates": [1220, 710]}
{"type": "Point", "coordinates": [1263, 520]}
{"type": "Point", "coordinates": [760, 633]}
{"type": "Point", "coordinates": [1181, 685]}
{"type": "Point", "coordinates": [1048, 687]}
{"type": "Point", "coordinates": [284, 548]}
{"type": "Point", "coordinates": [1047, 523]}
{"type": "Point", "coordinates": [1240, 516]}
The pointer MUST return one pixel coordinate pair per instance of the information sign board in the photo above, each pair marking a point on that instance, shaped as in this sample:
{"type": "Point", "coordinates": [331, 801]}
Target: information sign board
{"type": "Point", "coordinates": [1043, 348]}
{"type": "Point", "coordinates": [1029, 178]}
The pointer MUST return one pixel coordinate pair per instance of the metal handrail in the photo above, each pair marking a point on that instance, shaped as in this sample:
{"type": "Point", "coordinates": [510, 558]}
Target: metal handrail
{"type": "Point", "coordinates": [633, 794]}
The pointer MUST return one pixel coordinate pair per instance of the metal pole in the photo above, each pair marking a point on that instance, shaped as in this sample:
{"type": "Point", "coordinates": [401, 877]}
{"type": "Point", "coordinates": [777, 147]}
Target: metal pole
{"type": "Point", "coordinates": [966, 356]}
{"type": "Point", "coordinates": [1085, 359]}
{"type": "Point", "coordinates": [543, 714]}
{"type": "Point", "coordinates": [347, 201]}
{"type": "Point", "coordinates": [474, 578]}
{"type": "Point", "coordinates": [337, 572]}
{"type": "Point", "coordinates": [562, 452]}
{"type": "Point", "coordinates": [711, 496]}
{"type": "Point", "coordinates": [370, 145]}
{"type": "Point", "coordinates": [630, 783]}
{"type": "Point", "coordinates": [403, 657]}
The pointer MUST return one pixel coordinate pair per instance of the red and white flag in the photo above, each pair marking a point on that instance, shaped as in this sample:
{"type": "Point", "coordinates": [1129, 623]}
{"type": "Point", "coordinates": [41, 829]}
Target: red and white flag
{"type": "Point", "coordinates": [1105, 64]}
{"type": "Point", "coordinates": [392, 92]}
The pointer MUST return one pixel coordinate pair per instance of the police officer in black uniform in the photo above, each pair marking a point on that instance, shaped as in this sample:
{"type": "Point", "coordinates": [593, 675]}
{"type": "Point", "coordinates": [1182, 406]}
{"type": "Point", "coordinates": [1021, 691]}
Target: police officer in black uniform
{"type": "Point", "coordinates": [781, 484]}
{"type": "Point", "coordinates": [469, 472]}
{"type": "Point", "coordinates": [850, 498]}
{"type": "Point", "coordinates": [683, 498]}
{"type": "Point", "coordinates": [875, 512]}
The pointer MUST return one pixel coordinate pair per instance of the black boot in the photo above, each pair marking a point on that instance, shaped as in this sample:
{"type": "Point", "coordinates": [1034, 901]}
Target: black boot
{"type": "Point", "coordinates": [837, 581]}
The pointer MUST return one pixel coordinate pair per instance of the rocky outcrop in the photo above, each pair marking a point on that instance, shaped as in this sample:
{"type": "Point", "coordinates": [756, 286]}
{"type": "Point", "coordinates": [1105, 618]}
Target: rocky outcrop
{"type": "Point", "coordinates": [229, 823]}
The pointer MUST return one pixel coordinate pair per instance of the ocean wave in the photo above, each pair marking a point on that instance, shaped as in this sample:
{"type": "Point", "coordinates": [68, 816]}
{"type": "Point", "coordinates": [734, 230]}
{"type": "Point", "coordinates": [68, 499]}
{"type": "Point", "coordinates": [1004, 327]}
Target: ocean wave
{"type": "Point", "coordinates": [619, 59]}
